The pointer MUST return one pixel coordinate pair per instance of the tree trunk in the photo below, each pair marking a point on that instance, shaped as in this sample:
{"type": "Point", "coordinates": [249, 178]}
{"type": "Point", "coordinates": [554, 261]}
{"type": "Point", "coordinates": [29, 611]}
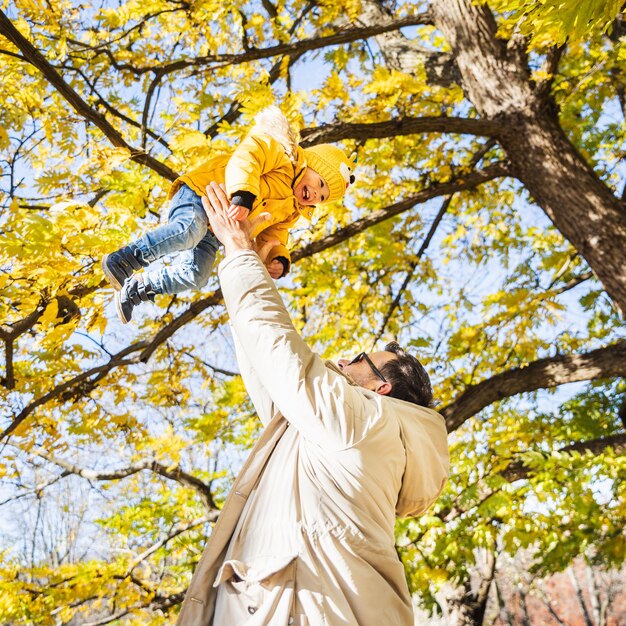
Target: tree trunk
{"type": "Point", "coordinates": [496, 80]}
{"type": "Point", "coordinates": [579, 595]}
{"type": "Point", "coordinates": [594, 596]}
{"type": "Point", "coordinates": [465, 606]}
{"type": "Point", "coordinates": [401, 54]}
{"type": "Point", "coordinates": [503, 609]}
{"type": "Point", "coordinates": [524, 616]}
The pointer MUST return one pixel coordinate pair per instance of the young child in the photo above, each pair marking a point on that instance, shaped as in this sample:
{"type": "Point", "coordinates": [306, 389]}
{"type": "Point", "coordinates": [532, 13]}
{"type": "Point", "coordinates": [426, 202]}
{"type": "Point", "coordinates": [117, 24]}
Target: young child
{"type": "Point", "coordinates": [268, 172]}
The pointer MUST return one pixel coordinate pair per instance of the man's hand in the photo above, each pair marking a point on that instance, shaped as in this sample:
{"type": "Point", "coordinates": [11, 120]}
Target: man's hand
{"type": "Point", "coordinates": [234, 235]}
{"type": "Point", "coordinates": [238, 213]}
{"type": "Point", "coordinates": [275, 269]}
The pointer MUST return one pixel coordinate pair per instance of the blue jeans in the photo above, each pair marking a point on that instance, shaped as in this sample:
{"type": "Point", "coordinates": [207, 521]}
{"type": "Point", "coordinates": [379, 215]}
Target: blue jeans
{"type": "Point", "coordinates": [186, 232]}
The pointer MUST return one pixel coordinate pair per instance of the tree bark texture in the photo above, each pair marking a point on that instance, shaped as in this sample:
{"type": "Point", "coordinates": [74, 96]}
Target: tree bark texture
{"type": "Point", "coordinates": [606, 362]}
{"type": "Point", "coordinates": [466, 607]}
{"type": "Point", "coordinates": [401, 54]}
{"type": "Point", "coordinates": [495, 78]}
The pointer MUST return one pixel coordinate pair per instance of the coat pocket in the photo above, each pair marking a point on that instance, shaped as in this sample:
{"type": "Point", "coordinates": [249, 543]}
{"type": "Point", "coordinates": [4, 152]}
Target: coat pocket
{"type": "Point", "coordinates": [256, 592]}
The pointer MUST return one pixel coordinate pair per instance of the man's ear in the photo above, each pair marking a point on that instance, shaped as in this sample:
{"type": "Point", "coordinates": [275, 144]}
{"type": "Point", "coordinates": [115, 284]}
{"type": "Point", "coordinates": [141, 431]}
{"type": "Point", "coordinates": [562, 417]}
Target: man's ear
{"type": "Point", "coordinates": [383, 388]}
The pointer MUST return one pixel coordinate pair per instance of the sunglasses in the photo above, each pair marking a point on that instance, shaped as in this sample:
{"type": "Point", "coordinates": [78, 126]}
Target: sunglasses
{"type": "Point", "coordinates": [362, 355]}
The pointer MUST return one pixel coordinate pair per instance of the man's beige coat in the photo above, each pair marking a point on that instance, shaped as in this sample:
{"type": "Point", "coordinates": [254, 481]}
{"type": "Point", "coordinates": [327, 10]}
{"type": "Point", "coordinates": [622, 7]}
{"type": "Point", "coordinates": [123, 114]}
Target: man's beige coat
{"type": "Point", "coordinates": [306, 535]}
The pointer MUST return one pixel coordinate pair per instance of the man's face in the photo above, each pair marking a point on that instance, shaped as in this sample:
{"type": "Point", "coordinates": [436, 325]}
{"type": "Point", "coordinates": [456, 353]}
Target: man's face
{"type": "Point", "coordinates": [363, 373]}
{"type": "Point", "coordinates": [312, 188]}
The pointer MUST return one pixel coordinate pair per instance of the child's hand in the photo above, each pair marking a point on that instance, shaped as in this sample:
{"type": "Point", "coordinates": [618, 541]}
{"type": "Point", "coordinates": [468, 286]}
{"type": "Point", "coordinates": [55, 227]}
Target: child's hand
{"type": "Point", "coordinates": [237, 213]}
{"type": "Point", "coordinates": [275, 268]}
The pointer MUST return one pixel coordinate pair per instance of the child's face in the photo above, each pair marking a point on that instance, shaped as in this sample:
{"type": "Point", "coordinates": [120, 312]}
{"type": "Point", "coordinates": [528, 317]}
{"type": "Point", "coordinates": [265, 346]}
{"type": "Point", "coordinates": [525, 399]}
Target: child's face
{"type": "Point", "coordinates": [312, 188]}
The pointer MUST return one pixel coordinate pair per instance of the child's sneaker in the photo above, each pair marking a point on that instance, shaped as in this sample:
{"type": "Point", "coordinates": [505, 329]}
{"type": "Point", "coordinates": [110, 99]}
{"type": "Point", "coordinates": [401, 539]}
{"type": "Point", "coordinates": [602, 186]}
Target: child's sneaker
{"type": "Point", "coordinates": [134, 291]}
{"type": "Point", "coordinates": [121, 264]}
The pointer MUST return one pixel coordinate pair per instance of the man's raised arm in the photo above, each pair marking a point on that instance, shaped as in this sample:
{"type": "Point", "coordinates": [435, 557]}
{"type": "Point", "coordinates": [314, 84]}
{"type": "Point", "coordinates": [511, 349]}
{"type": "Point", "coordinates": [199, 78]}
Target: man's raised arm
{"type": "Point", "coordinates": [311, 397]}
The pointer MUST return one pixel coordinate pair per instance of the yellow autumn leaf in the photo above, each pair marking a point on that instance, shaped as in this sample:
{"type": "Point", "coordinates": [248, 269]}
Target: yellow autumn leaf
{"type": "Point", "coordinates": [4, 138]}
{"type": "Point", "coordinates": [50, 314]}
{"type": "Point", "coordinates": [115, 157]}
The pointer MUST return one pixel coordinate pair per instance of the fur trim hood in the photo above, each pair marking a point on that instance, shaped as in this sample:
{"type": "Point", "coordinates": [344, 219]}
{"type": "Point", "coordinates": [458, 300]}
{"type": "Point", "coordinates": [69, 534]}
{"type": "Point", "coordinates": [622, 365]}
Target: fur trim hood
{"type": "Point", "coordinates": [272, 121]}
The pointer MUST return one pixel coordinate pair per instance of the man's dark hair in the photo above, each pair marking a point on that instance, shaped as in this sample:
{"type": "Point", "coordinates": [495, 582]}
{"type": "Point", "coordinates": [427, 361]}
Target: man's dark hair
{"type": "Point", "coordinates": [408, 378]}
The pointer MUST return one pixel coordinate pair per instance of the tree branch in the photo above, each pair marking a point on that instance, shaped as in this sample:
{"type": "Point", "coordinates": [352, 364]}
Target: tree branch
{"type": "Point", "coordinates": [604, 362]}
{"type": "Point", "coordinates": [178, 529]}
{"type": "Point", "coordinates": [35, 58]}
{"type": "Point", "coordinates": [549, 68]}
{"type": "Point", "coordinates": [37, 489]}
{"type": "Point", "coordinates": [409, 275]}
{"type": "Point", "coordinates": [461, 182]}
{"type": "Point", "coordinates": [403, 54]}
{"type": "Point", "coordinates": [175, 474]}
{"type": "Point", "coordinates": [347, 35]}
{"type": "Point", "coordinates": [9, 333]}
{"type": "Point", "coordinates": [518, 471]}
{"type": "Point", "coordinates": [574, 282]}
{"type": "Point", "coordinates": [395, 128]}
{"type": "Point", "coordinates": [167, 331]}
{"type": "Point", "coordinates": [234, 110]}
{"type": "Point", "coordinates": [109, 619]}
{"type": "Point", "coordinates": [113, 111]}
{"type": "Point", "coordinates": [97, 372]}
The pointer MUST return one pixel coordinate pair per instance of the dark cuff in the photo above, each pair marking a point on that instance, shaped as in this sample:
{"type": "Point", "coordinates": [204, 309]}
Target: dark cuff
{"type": "Point", "coordinates": [243, 198]}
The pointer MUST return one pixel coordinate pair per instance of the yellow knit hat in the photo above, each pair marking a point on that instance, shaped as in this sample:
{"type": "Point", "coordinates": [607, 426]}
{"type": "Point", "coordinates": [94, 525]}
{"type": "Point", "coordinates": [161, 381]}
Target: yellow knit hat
{"type": "Point", "coordinates": [333, 166]}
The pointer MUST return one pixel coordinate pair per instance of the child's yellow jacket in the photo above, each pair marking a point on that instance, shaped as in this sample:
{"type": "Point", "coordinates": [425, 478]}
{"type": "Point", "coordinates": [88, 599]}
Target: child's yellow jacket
{"type": "Point", "coordinates": [267, 163]}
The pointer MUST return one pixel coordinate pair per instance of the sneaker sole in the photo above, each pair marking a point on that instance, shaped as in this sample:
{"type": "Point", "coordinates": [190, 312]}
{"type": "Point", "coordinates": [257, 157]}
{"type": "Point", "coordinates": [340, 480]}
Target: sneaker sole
{"type": "Point", "coordinates": [107, 274]}
{"type": "Point", "coordinates": [118, 308]}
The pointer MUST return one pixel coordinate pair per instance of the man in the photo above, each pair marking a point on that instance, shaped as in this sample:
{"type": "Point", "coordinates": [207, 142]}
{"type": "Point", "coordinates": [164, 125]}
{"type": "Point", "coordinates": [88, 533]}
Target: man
{"type": "Point", "coordinates": [306, 536]}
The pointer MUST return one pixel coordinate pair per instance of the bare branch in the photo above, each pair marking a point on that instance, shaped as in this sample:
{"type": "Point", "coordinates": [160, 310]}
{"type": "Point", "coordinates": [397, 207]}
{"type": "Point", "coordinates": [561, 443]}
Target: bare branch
{"type": "Point", "coordinates": [146, 107]}
{"type": "Point", "coordinates": [172, 473]}
{"type": "Point", "coordinates": [178, 529]}
{"type": "Point", "coordinates": [412, 267]}
{"type": "Point", "coordinates": [399, 127]}
{"type": "Point", "coordinates": [549, 69]}
{"type": "Point", "coordinates": [214, 368]}
{"type": "Point", "coordinates": [37, 490]}
{"type": "Point", "coordinates": [347, 35]}
{"type": "Point", "coordinates": [606, 362]}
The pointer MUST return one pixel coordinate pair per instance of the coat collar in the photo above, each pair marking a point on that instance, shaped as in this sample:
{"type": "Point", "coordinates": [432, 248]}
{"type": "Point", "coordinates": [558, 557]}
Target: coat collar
{"type": "Point", "coordinates": [335, 368]}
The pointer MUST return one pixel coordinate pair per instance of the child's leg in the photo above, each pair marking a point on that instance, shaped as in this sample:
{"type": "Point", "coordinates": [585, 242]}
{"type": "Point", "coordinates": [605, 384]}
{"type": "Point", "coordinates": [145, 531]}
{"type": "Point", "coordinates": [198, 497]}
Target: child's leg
{"type": "Point", "coordinates": [186, 233]}
{"type": "Point", "coordinates": [185, 228]}
{"type": "Point", "coordinates": [192, 270]}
